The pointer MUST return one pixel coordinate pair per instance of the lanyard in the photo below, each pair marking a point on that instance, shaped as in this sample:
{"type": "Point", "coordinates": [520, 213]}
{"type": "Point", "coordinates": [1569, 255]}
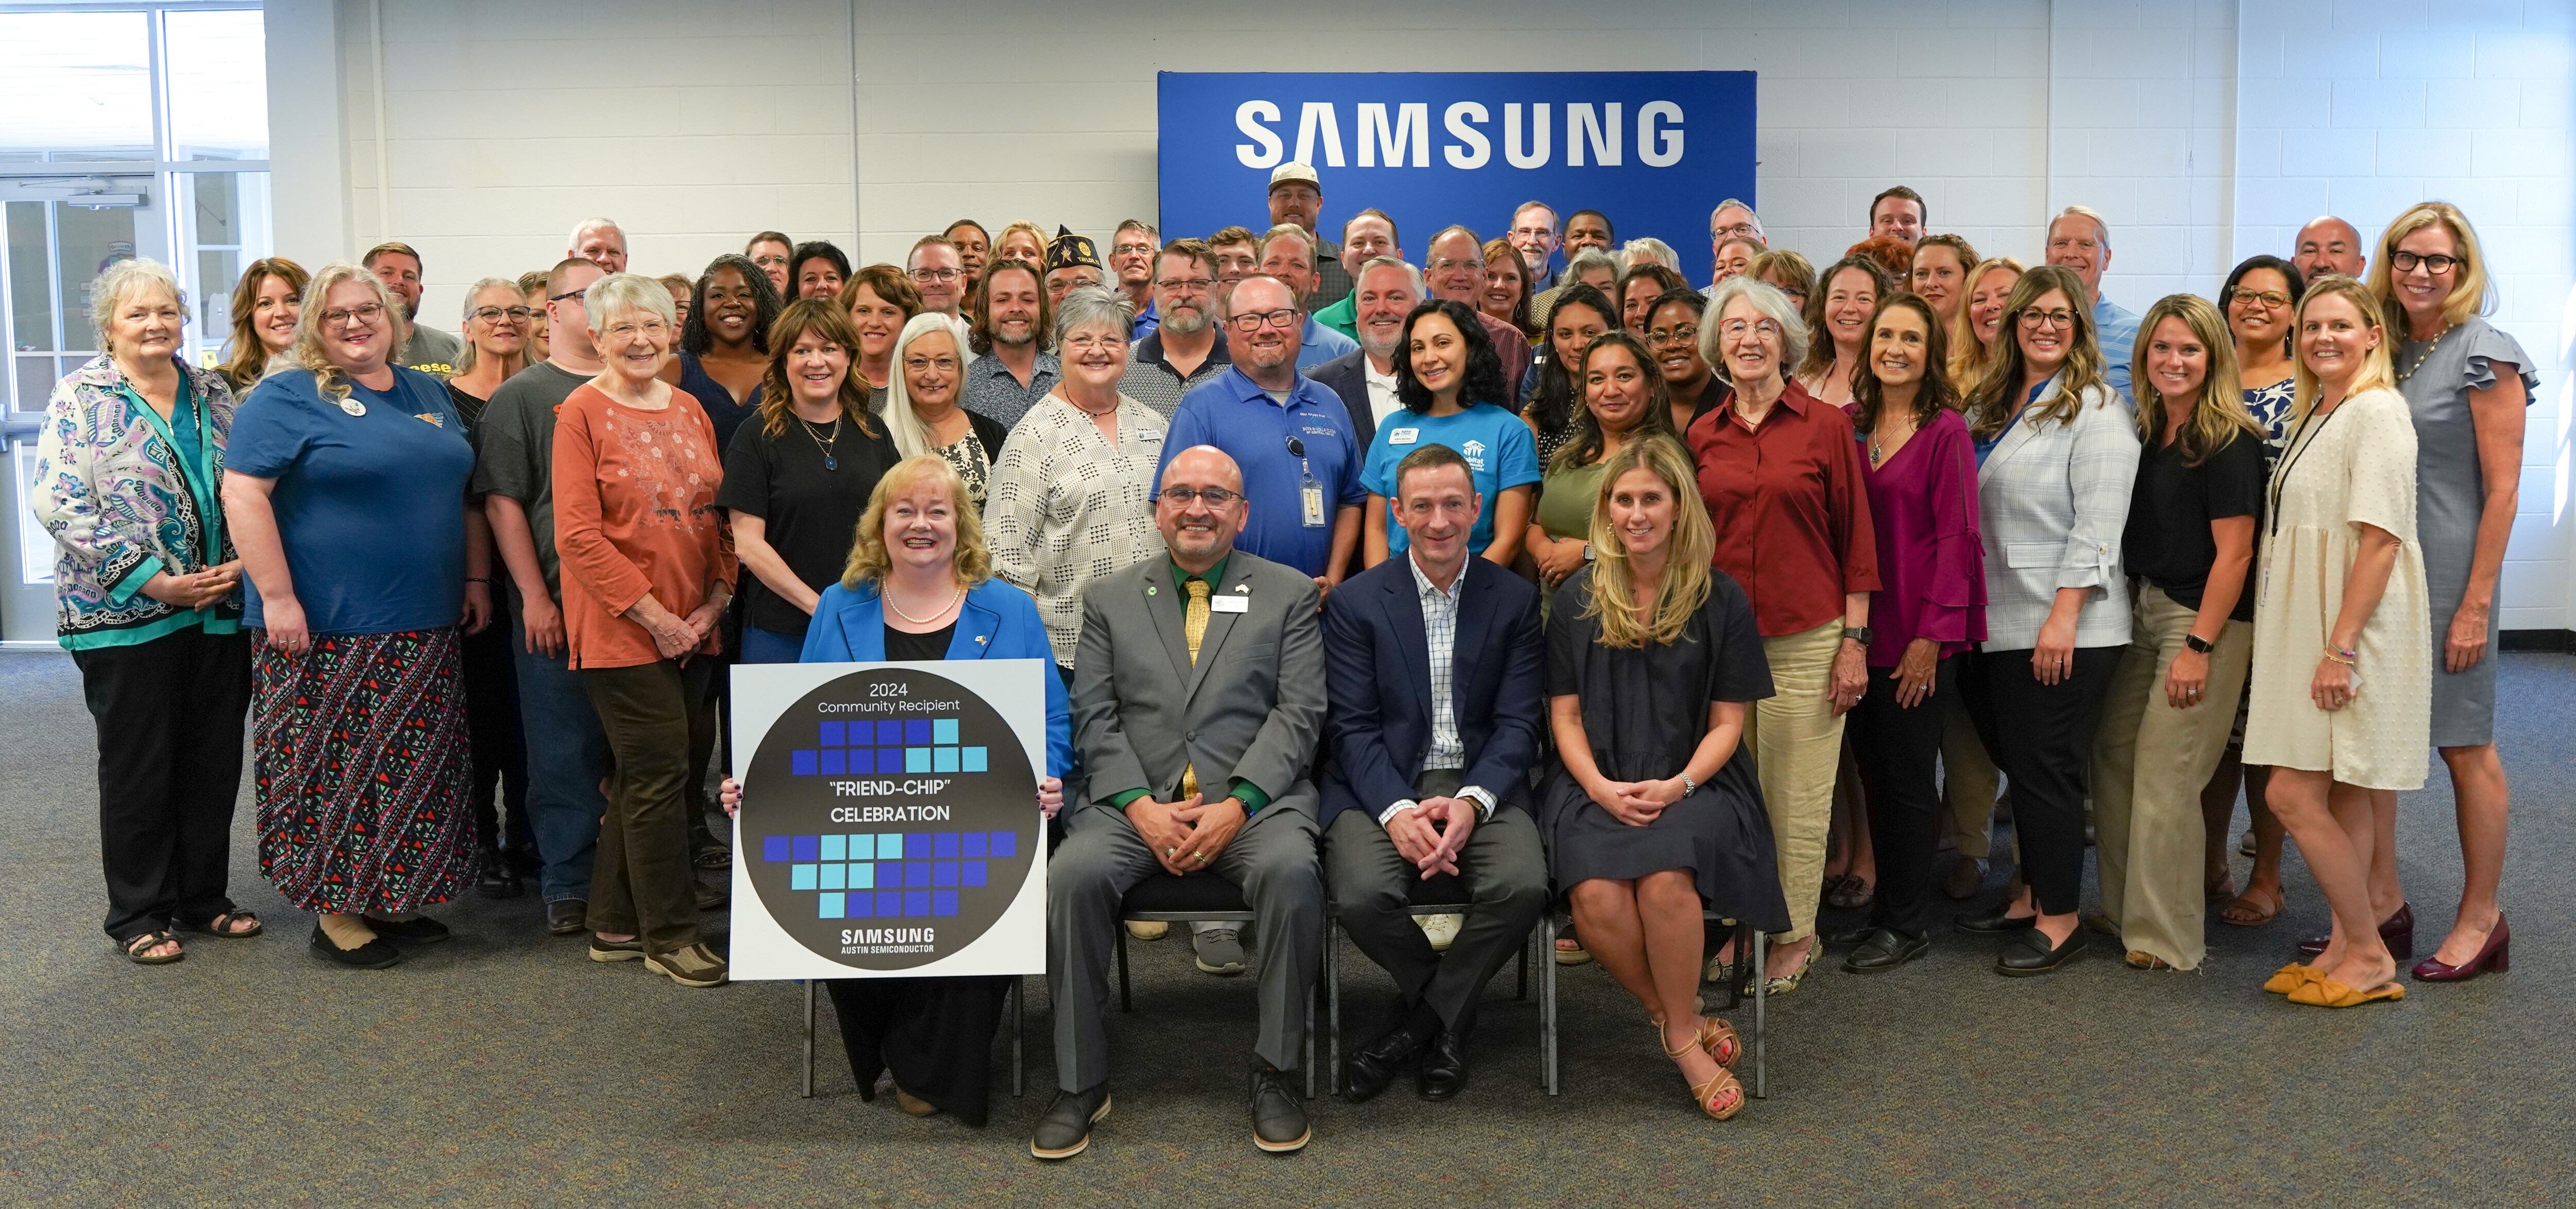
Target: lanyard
{"type": "Point", "coordinates": [2298, 449]}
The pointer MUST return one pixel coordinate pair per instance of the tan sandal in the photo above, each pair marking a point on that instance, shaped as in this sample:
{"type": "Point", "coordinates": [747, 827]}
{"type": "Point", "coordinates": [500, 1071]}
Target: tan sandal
{"type": "Point", "coordinates": [1720, 1097]}
{"type": "Point", "coordinates": [1717, 1037]}
{"type": "Point", "coordinates": [2244, 910]}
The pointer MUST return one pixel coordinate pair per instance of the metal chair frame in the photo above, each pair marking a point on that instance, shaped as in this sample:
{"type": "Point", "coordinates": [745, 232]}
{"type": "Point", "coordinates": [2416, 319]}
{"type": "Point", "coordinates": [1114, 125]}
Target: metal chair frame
{"type": "Point", "coordinates": [1333, 985]}
{"type": "Point", "coordinates": [1547, 933]}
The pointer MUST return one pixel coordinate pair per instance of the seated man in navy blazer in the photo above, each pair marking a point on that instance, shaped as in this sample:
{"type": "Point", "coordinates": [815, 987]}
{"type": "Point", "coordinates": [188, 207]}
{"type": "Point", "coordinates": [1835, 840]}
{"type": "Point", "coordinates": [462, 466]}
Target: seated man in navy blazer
{"type": "Point", "coordinates": [1434, 668]}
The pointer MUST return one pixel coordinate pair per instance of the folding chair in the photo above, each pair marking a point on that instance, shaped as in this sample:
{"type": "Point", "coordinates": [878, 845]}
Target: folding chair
{"type": "Point", "coordinates": [1438, 896]}
{"type": "Point", "coordinates": [1167, 899]}
{"type": "Point", "coordinates": [1746, 937]}
{"type": "Point", "coordinates": [1019, 1073]}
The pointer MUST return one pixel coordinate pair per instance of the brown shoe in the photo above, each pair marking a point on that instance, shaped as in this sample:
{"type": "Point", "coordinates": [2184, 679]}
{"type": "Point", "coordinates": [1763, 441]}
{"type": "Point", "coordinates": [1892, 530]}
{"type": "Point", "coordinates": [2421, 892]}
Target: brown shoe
{"type": "Point", "coordinates": [694, 966]}
{"type": "Point", "coordinates": [1967, 876]}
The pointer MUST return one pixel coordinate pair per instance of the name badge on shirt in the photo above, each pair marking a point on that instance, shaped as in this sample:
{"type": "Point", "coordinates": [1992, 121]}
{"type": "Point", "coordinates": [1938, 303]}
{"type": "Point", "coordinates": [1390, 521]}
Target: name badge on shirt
{"type": "Point", "coordinates": [1313, 496]}
{"type": "Point", "coordinates": [1403, 436]}
{"type": "Point", "coordinates": [1229, 604]}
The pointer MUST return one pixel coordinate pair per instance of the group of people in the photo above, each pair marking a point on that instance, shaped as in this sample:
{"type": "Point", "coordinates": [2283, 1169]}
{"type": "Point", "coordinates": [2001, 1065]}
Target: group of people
{"type": "Point", "coordinates": [1532, 566]}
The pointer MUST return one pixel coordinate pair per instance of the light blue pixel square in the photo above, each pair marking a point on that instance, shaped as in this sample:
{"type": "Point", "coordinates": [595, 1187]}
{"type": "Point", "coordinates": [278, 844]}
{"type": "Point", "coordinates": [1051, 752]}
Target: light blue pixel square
{"type": "Point", "coordinates": [970, 759]}
{"type": "Point", "coordinates": [916, 759]}
{"type": "Point", "coordinates": [831, 907]}
{"type": "Point", "coordinates": [836, 847]}
{"type": "Point", "coordinates": [889, 845]}
{"type": "Point", "coordinates": [943, 730]}
{"type": "Point", "coordinates": [835, 877]}
{"type": "Point", "coordinates": [863, 877]}
{"type": "Point", "coordinates": [801, 877]}
{"type": "Point", "coordinates": [943, 759]}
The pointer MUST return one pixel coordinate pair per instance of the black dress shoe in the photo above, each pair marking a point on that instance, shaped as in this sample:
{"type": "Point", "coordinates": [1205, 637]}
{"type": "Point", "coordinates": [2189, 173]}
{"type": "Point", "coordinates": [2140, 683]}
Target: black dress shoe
{"type": "Point", "coordinates": [1444, 1067]}
{"type": "Point", "coordinates": [1851, 936]}
{"type": "Point", "coordinates": [495, 877]}
{"type": "Point", "coordinates": [1065, 1130]}
{"type": "Point", "coordinates": [567, 916]}
{"type": "Point", "coordinates": [2030, 955]}
{"type": "Point", "coordinates": [1885, 950]}
{"type": "Point", "coordinates": [712, 897]}
{"type": "Point", "coordinates": [1278, 1112]}
{"type": "Point", "coordinates": [1375, 1064]}
{"type": "Point", "coordinates": [418, 930]}
{"type": "Point", "coordinates": [373, 955]}
{"type": "Point", "coordinates": [1998, 921]}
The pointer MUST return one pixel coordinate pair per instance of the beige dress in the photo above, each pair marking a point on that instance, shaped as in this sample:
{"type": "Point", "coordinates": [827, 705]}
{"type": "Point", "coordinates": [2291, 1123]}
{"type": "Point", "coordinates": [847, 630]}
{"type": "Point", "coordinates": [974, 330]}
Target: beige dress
{"type": "Point", "coordinates": [2354, 464]}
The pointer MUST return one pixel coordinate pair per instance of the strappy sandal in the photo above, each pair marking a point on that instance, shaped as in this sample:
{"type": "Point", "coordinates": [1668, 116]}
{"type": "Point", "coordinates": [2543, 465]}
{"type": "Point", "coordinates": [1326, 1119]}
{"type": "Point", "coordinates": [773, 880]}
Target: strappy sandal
{"type": "Point", "coordinates": [221, 926]}
{"type": "Point", "coordinates": [2243, 912]}
{"type": "Point", "coordinates": [1717, 1037]}
{"type": "Point", "coordinates": [1721, 1097]}
{"type": "Point", "coordinates": [2140, 960]}
{"type": "Point", "coordinates": [138, 949]}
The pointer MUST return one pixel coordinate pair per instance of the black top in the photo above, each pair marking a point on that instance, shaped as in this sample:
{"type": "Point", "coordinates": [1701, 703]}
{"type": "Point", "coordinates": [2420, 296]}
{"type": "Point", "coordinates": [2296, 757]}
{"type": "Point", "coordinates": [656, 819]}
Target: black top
{"type": "Point", "coordinates": [919, 647]}
{"type": "Point", "coordinates": [468, 409]}
{"type": "Point", "coordinates": [812, 513]}
{"type": "Point", "coordinates": [1645, 710]}
{"type": "Point", "coordinates": [2167, 540]}
{"type": "Point", "coordinates": [722, 412]}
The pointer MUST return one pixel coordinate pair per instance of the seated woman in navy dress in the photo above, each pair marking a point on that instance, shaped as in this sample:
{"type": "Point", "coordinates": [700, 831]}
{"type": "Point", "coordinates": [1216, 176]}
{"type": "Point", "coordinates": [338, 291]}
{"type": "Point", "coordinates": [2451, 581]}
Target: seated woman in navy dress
{"type": "Point", "coordinates": [919, 587]}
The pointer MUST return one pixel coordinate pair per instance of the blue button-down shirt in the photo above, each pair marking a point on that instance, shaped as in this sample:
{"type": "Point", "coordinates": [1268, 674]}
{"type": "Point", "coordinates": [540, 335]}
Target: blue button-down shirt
{"type": "Point", "coordinates": [2115, 328]}
{"type": "Point", "coordinates": [1232, 413]}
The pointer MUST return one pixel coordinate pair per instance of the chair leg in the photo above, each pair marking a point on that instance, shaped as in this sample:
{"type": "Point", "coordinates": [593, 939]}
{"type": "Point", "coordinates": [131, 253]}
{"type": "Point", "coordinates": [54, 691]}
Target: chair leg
{"type": "Point", "coordinates": [1761, 1005]}
{"type": "Point", "coordinates": [1520, 984]}
{"type": "Point", "coordinates": [1125, 1003]}
{"type": "Point", "coordinates": [1333, 1015]}
{"type": "Point", "coordinates": [1547, 1072]}
{"type": "Point", "coordinates": [809, 1039]}
{"type": "Point", "coordinates": [1019, 1026]}
{"type": "Point", "coordinates": [1311, 1021]}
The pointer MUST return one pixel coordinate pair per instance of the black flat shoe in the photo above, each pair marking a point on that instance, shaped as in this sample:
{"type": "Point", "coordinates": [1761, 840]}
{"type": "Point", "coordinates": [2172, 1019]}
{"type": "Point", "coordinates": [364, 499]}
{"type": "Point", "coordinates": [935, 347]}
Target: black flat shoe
{"type": "Point", "coordinates": [567, 916]}
{"type": "Point", "coordinates": [1444, 1068]}
{"type": "Point", "coordinates": [2030, 955]}
{"type": "Point", "coordinates": [373, 955]}
{"type": "Point", "coordinates": [1065, 1130]}
{"type": "Point", "coordinates": [1375, 1064]}
{"type": "Point", "coordinates": [1278, 1112]}
{"type": "Point", "coordinates": [1885, 950]}
{"type": "Point", "coordinates": [1851, 936]}
{"type": "Point", "coordinates": [418, 930]}
{"type": "Point", "coordinates": [1997, 922]}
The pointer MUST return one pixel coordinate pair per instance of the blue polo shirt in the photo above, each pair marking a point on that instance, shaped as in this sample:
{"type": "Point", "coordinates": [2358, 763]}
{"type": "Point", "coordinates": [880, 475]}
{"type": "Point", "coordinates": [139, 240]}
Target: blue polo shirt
{"type": "Point", "coordinates": [1322, 344]}
{"type": "Point", "coordinates": [1232, 413]}
{"type": "Point", "coordinates": [1499, 450]}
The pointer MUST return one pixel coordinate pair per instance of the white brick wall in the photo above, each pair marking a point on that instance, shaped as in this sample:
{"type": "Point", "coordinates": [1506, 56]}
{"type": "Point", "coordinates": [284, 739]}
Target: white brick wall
{"type": "Point", "coordinates": [2206, 129]}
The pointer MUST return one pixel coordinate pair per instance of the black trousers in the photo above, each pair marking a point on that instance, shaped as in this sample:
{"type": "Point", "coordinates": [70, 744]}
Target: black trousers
{"type": "Point", "coordinates": [492, 728]}
{"type": "Point", "coordinates": [935, 1034]}
{"type": "Point", "coordinates": [1505, 871]}
{"type": "Point", "coordinates": [2042, 738]}
{"type": "Point", "coordinates": [1899, 748]}
{"type": "Point", "coordinates": [169, 714]}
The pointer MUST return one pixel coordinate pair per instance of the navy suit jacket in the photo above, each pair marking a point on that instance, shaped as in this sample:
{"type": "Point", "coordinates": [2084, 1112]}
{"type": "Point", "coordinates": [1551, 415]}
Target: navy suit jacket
{"type": "Point", "coordinates": [997, 621]}
{"type": "Point", "coordinates": [1377, 670]}
{"type": "Point", "coordinates": [1347, 376]}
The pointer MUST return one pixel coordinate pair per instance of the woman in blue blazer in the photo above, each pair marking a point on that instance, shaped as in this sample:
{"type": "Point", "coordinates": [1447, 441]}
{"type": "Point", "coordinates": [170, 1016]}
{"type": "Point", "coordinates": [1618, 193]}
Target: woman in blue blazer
{"type": "Point", "coordinates": [919, 586]}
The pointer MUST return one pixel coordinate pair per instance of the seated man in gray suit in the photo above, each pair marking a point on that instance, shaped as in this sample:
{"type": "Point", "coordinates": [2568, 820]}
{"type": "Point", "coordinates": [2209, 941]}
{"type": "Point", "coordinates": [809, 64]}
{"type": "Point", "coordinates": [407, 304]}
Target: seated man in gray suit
{"type": "Point", "coordinates": [1198, 695]}
{"type": "Point", "coordinates": [1437, 679]}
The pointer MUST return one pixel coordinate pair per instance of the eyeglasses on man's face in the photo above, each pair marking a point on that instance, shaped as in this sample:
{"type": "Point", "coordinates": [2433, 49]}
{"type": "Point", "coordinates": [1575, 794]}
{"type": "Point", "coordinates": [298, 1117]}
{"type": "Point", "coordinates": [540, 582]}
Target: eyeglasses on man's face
{"type": "Point", "coordinates": [1285, 317]}
{"type": "Point", "coordinates": [1213, 497]}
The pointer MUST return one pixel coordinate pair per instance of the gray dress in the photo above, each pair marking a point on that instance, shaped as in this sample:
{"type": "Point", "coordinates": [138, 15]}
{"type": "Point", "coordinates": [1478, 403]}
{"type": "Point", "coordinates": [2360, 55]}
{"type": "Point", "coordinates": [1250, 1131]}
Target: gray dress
{"type": "Point", "coordinates": [2450, 493]}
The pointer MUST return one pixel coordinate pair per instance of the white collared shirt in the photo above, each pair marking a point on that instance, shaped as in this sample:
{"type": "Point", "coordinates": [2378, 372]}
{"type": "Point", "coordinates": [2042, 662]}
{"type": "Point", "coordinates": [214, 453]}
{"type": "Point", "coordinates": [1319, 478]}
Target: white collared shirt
{"type": "Point", "coordinates": [1383, 401]}
{"type": "Point", "coordinates": [1440, 630]}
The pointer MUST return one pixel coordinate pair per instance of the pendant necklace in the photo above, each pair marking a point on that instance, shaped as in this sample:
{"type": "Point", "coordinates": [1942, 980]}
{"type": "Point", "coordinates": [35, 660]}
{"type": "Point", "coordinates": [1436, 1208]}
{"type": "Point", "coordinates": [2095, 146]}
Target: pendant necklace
{"type": "Point", "coordinates": [826, 444]}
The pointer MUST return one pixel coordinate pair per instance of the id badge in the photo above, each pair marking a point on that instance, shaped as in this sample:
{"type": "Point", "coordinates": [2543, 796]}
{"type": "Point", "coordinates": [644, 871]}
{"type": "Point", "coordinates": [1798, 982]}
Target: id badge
{"type": "Point", "coordinates": [1313, 496]}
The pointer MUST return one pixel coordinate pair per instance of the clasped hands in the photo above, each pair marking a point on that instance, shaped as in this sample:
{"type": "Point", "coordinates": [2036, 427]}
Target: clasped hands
{"type": "Point", "coordinates": [1187, 835]}
{"type": "Point", "coordinates": [1636, 803]}
{"type": "Point", "coordinates": [1433, 833]}
{"type": "Point", "coordinates": [196, 589]}
{"type": "Point", "coordinates": [674, 636]}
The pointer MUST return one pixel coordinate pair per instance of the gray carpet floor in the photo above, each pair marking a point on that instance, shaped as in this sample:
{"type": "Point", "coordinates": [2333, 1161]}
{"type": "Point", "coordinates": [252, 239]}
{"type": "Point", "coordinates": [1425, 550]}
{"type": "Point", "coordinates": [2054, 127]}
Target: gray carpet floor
{"type": "Point", "coordinates": [504, 1069]}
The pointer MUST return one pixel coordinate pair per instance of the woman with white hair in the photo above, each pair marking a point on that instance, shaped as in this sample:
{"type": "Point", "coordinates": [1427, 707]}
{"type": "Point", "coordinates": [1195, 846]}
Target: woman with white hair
{"type": "Point", "coordinates": [345, 486]}
{"type": "Point", "coordinates": [1648, 250]}
{"type": "Point", "coordinates": [145, 582]}
{"type": "Point", "coordinates": [648, 569]}
{"type": "Point", "coordinates": [923, 409]}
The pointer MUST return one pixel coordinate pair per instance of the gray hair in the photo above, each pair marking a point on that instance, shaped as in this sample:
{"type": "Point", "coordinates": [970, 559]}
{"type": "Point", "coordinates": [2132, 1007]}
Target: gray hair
{"type": "Point", "coordinates": [124, 279]}
{"type": "Point", "coordinates": [1091, 306]}
{"type": "Point", "coordinates": [2100, 223]}
{"type": "Point", "coordinates": [465, 357]}
{"type": "Point", "coordinates": [1739, 204]}
{"type": "Point", "coordinates": [307, 350]}
{"type": "Point", "coordinates": [910, 437]}
{"type": "Point", "coordinates": [588, 225]}
{"type": "Point", "coordinates": [1590, 258]}
{"type": "Point", "coordinates": [1641, 251]}
{"type": "Point", "coordinates": [1412, 275]}
{"type": "Point", "coordinates": [1773, 305]}
{"type": "Point", "coordinates": [619, 293]}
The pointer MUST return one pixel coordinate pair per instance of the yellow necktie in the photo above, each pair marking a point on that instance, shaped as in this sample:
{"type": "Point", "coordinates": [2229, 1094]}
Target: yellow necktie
{"type": "Point", "coordinates": [1194, 625]}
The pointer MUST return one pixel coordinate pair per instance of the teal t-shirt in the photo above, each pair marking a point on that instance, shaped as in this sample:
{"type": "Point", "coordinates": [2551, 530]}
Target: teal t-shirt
{"type": "Point", "coordinates": [1499, 450]}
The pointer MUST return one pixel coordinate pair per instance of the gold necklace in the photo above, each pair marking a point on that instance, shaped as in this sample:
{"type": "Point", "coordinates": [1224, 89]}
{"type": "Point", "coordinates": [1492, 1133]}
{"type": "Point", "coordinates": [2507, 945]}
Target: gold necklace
{"type": "Point", "coordinates": [2438, 337]}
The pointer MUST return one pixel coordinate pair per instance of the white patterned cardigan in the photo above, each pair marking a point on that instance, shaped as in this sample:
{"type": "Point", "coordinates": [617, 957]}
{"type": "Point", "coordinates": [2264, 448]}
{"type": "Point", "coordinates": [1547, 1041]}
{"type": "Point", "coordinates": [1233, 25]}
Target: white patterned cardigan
{"type": "Point", "coordinates": [109, 489]}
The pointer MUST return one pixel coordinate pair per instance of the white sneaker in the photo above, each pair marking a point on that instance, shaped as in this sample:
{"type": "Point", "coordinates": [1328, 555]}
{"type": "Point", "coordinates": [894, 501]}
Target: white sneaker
{"type": "Point", "coordinates": [1441, 930]}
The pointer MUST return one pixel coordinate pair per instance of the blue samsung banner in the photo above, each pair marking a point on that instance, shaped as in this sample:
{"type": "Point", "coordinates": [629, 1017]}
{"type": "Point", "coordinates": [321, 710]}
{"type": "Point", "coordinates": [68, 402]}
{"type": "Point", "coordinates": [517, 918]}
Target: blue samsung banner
{"type": "Point", "coordinates": [1654, 150]}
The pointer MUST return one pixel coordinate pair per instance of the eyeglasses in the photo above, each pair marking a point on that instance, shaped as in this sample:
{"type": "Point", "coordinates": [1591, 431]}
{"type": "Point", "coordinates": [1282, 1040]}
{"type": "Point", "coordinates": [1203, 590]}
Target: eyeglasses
{"type": "Point", "coordinates": [494, 314]}
{"type": "Point", "coordinates": [1741, 228]}
{"type": "Point", "coordinates": [1131, 249]}
{"type": "Point", "coordinates": [1186, 285]}
{"type": "Point", "coordinates": [1662, 336]}
{"type": "Point", "coordinates": [368, 314]}
{"type": "Point", "coordinates": [566, 296]}
{"type": "Point", "coordinates": [629, 331]}
{"type": "Point", "coordinates": [1443, 264]}
{"type": "Point", "coordinates": [1213, 497]}
{"type": "Point", "coordinates": [2271, 298]}
{"type": "Point", "coordinates": [916, 365]}
{"type": "Point", "coordinates": [2048, 318]}
{"type": "Point", "coordinates": [1738, 328]}
{"type": "Point", "coordinates": [1088, 342]}
{"type": "Point", "coordinates": [2437, 264]}
{"type": "Point", "coordinates": [934, 274]}
{"type": "Point", "coordinates": [1252, 322]}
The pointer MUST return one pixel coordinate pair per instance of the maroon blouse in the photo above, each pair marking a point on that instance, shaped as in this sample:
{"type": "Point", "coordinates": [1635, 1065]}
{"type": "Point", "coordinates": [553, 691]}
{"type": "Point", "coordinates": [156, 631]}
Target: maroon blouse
{"type": "Point", "coordinates": [1792, 519]}
{"type": "Point", "coordinates": [1930, 560]}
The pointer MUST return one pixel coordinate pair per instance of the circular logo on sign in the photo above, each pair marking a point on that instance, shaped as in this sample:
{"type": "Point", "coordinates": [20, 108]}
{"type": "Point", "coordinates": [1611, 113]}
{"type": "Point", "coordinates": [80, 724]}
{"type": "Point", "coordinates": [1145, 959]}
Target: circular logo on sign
{"type": "Point", "coordinates": [895, 819]}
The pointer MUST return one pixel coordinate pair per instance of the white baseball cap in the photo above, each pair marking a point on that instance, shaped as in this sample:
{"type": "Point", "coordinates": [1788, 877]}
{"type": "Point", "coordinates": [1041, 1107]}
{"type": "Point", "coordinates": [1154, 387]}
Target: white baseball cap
{"type": "Point", "coordinates": [1295, 172]}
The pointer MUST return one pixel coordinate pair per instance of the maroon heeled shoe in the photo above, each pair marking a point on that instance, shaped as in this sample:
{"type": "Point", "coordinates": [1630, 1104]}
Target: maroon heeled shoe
{"type": "Point", "coordinates": [2397, 932]}
{"type": "Point", "coordinates": [2495, 955]}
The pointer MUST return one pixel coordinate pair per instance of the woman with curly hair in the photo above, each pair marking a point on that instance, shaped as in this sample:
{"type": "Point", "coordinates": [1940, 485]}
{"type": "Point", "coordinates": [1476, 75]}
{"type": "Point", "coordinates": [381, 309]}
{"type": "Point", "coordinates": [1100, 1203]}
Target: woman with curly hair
{"type": "Point", "coordinates": [1451, 383]}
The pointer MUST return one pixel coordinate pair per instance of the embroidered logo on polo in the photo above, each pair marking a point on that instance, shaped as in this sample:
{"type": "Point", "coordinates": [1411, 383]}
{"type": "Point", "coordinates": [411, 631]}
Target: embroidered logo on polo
{"type": "Point", "coordinates": [898, 819]}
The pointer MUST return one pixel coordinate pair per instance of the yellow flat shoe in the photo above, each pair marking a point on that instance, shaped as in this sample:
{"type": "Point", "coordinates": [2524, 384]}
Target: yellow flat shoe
{"type": "Point", "coordinates": [2290, 978]}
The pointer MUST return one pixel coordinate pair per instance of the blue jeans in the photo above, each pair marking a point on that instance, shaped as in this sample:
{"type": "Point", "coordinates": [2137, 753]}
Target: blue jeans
{"type": "Point", "coordinates": [567, 759]}
{"type": "Point", "coordinates": [770, 646]}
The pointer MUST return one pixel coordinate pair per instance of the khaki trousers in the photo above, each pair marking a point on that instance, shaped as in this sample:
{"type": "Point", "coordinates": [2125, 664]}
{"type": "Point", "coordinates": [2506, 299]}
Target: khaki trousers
{"type": "Point", "coordinates": [1969, 782]}
{"type": "Point", "coordinates": [2149, 762]}
{"type": "Point", "coordinates": [1797, 742]}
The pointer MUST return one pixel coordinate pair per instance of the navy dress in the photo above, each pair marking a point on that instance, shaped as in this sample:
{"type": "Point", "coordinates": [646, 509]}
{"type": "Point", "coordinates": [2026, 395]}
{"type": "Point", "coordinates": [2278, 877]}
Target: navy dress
{"type": "Point", "coordinates": [1645, 711]}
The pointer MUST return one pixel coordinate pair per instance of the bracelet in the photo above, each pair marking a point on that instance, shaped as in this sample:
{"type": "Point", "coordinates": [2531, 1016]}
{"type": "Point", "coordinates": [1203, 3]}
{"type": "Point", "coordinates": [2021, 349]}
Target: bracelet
{"type": "Point", "coordinates": [1689, 786]}
{"type": "Point", "coordinates": [2346, 658]}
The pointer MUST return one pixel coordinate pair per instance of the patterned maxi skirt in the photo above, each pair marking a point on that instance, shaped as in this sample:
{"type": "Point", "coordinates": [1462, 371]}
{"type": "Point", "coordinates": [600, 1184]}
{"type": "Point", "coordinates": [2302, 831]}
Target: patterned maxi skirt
{"type": "Point", "coordinates": [362, 765]}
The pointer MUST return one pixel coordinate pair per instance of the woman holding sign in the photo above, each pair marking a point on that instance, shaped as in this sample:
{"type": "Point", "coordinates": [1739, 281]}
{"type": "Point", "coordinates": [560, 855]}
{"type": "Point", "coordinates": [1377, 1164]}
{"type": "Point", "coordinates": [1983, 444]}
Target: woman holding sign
{"type": "Point", "coordinates": [919, 586]}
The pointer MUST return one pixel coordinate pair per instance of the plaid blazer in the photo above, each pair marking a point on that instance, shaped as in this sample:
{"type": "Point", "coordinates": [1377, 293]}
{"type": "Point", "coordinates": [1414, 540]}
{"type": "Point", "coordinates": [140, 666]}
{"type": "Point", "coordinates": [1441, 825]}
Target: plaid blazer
{"type": "Point", "coordinates": [2052, 499]}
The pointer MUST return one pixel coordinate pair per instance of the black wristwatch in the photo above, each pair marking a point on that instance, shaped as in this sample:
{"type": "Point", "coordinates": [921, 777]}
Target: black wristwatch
{"type": "Point", "coordinates": [2198, 643]}
{"type": "Point", "coordinates": [1857, 633]}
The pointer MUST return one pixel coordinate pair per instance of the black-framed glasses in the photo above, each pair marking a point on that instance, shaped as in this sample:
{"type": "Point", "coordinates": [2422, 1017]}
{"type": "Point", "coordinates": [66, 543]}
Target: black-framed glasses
{"type": "Point", "coordinates": [1662, 336]}
{"type": "Point", "coordinates": [1194, 285]}
{"type": "Point", "coordinates": [1285, 317]}
{"type": "Point", "coordinates": [495, 314]}
{"type": "Point", "coordinates": [2270, 298]}
{"type": "Point", "coordinates": [935, 274]}
{"type": "Point", "coordinates": [566, 296]}
{"type": "Point", "coordinates": [1213, 497]}
{"type": "Point", "coordinates": [2436, 264]}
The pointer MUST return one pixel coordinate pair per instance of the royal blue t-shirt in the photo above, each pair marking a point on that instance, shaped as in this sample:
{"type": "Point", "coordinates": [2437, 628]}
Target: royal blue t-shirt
{"type": "Point", "coordinates": [1230, 412]}
{"type": "Point", "coordinates": [371, 507]}
{"type": "Point", "coordinates": [1499, 450]}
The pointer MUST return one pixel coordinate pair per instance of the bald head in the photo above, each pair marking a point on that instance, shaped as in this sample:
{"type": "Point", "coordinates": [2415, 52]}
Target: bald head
{"type": "Point", "coordinates": [2329, 245]}
{"type": "Point", "coordinates": [1200, 531]}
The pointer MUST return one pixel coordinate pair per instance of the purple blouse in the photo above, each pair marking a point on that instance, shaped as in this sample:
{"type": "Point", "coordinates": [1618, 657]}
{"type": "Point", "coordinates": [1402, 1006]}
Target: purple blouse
{"type": "Point", "coordinates": [1931, 563]}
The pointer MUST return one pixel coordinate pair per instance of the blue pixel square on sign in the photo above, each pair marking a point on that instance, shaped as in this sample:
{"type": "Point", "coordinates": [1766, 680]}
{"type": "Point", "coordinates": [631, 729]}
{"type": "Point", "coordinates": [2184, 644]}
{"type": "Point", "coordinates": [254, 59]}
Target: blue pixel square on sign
{"type": "Point", "coordinates": [889, 733]}
{"type": "Point", "coordinates": [971, 844]}
{"type": "Point", "coordinates": [773, 848]}
{"type": "Point", "coordinates": [833, 735]}
{"type": "Point", "coordinates": [832, 907]}
{"type": "Point", "coordinates": [836, 847]}
{"type": "Point", "coordinates": [801, 763]}
{"type": "Point", "coordinates": [972, 759]}
{"type": "Point", "coordinates": [943, 844]}
{"type": "Point", "coordinates": [808, 847]}
{"type": "Point", "coordinates": [916, 731]}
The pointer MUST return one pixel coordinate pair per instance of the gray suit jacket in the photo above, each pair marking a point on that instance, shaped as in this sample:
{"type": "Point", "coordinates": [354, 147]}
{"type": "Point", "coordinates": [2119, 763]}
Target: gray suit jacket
{"type": "Point", "coordinates": [1252, 706]}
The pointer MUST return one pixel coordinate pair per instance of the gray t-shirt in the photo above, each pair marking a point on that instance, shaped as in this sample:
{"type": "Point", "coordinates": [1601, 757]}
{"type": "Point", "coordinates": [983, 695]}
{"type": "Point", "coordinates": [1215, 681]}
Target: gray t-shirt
{"type": "Point", "coordinates": [432, 351]}
{"type": "Point", "coordinates": [519, 451]}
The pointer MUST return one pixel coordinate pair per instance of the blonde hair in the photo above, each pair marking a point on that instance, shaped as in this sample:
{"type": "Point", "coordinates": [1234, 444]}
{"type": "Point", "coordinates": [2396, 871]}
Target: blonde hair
{"type": "Point", "coordinates": [307, 351]}
{"type": "Point", "coordinates": [869, 561]}
{"type": "Point", "coordinates": [1004, 236]}
{"type": "Point", "coordinates": [1998, 395]}
{"type": "Point", "coordinates": [467, 356]}
{"type": "Point", "coordinates": [2472, 292]}
{"type": "Point", "coordinates": [2217, 410]}
{"type": "Point", "coordinates": [245, 355]}
{"type": "Point", "coordinates": [1693, 542]}
{"type": "Point", "coordinates": [1968, 354]}
{"type": "Point", "coordinates": [2378, 369]}
{"type": "Point", "coordinates": [911, 439]}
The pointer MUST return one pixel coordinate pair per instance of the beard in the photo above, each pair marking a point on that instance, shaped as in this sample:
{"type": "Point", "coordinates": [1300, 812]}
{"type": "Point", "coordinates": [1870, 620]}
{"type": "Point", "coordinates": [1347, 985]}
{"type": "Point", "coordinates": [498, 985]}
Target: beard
{"type": "Point", "coordinates": [1187, 320]}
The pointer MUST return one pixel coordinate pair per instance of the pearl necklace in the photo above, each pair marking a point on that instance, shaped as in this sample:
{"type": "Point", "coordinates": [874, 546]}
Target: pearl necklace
{"type": "Point", "coordinates": [935, 614]}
